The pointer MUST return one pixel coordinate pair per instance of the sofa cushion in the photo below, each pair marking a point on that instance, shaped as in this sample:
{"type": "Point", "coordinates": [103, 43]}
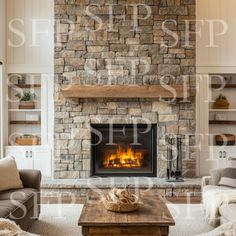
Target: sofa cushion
{"type": "Point", "coordinates": [6, 207]}
{"type": "Point", "coordinates": [228, 177]}
{"type": "Point", "coordinates": [228, 211]}
{"type": "Point", "coordinates": [231, 163]}
{"type": "Point", "coordinates": [214, 187]}
{"type": "Point", "coordinates": [14, 211]}
{"type": "Point", "coordinates": [17, 202]}
{"type": "Point", "coordinates": [215, 176]}
{"type": "Point", "coordinates": [9, 175]}
{"type": "Point", "coordinates": [17, 194]}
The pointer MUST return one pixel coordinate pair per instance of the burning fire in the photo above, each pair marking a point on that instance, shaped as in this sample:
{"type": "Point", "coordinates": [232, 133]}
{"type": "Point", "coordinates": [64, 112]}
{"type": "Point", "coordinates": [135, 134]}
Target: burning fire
{"type": "Point", "coordinates": [124, 158]}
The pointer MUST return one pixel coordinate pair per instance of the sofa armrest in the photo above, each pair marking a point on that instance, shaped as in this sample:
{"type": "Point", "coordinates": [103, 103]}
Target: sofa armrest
{"type": "Point", "coordinates": [206, 180]}
{"type": "Point", "coordinates": [31, 178]}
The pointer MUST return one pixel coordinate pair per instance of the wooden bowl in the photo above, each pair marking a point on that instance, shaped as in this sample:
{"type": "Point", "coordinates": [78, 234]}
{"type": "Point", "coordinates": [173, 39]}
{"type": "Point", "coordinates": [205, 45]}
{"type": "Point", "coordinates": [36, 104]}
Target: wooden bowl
{"type": "Point", "coordinates": [225, 139]}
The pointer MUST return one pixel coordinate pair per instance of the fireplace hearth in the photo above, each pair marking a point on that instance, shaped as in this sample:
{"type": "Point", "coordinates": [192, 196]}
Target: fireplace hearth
{"type": "Point", "coordinates": [123, 150]}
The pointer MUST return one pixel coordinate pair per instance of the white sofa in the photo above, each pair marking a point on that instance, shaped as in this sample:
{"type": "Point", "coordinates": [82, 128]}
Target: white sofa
{"type": "Point", "coordinates": [227, 212]}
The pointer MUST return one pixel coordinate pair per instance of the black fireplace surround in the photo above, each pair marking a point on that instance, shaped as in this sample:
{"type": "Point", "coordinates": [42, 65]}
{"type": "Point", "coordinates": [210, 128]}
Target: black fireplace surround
{"type": "Point", "coordinates": [124, 150]}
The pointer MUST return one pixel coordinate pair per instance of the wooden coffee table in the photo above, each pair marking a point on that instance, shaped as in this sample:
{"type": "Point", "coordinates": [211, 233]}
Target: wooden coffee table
{"type": "Point", "coordinates": [152, 218]}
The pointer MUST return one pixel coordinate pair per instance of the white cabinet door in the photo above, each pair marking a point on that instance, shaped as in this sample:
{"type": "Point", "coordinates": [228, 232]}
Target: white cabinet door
{"type": "Point", "coordinates": [42, 162]}
{"type": "Point", "coordinates": [32, 158]}
{"type": "Point", "coordinates": [24, 159]}
{"type": "Point", "coordinates": [223, 154]}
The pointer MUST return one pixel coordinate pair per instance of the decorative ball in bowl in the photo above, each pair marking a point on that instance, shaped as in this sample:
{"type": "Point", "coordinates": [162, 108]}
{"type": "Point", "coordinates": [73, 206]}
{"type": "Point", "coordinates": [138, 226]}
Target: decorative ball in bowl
{"type": "Point", "coordinates": [121, 200]}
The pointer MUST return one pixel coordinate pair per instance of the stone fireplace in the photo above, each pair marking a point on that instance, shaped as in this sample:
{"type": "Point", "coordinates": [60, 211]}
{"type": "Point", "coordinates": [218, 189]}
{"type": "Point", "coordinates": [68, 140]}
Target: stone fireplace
{"type": "Point", "coordinates": [137, 50]}
{"type": "Point", "coordinates": [123, 150]}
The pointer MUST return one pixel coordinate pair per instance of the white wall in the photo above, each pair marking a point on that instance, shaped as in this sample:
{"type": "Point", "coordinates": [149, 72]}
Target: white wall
{"type": "Point", "coordinates": [2, 72]}
{"type": "Point", "coordinates": [2, 31]}
{"type": "Point", "coordinates": [33, 44]}
{"type": "Point", "coordinates": [219, 58]}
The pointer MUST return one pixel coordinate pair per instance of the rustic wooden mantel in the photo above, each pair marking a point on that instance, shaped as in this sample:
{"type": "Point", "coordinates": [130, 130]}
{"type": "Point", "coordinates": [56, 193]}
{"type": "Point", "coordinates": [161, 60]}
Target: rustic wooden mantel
{"type": "Point", "coordinates": [125, 91]}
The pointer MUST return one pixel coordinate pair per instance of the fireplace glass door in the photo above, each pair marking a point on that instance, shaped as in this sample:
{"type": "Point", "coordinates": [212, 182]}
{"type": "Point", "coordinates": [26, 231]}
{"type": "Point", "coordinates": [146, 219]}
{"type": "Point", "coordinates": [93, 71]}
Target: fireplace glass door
{"type": "Point", "coordinates": [123, 150]}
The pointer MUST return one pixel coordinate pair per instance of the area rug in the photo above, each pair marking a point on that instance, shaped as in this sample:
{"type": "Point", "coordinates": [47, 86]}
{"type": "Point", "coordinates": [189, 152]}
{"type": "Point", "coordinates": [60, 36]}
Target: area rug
{"type": "Point", "coordinates": [62, 220]}
{"type": "Point", "coordinates": [190, 220]}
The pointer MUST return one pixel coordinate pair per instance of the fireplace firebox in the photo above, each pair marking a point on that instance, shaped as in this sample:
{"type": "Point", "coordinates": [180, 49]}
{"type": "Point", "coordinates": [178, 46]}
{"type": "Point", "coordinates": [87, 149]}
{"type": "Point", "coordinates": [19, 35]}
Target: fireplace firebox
{"type": "Point", "coordinates": [123, 150]}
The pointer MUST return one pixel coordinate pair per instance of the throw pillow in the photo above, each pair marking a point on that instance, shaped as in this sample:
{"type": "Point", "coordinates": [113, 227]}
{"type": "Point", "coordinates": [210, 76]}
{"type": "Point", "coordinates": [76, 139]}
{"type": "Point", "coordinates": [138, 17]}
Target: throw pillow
{"type": "Point", "coordinates": [215, 176]}
{"type": "Point", "coordinates": [9, 174]}
{"type": "Point", "coordinates": [228, 177]}
{"type": "Point", "coordinates": [231, 163]}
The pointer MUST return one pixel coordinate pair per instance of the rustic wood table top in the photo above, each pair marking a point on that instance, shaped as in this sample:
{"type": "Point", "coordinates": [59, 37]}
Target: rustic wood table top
{"type": "Point", "coordinates": [152, 212]}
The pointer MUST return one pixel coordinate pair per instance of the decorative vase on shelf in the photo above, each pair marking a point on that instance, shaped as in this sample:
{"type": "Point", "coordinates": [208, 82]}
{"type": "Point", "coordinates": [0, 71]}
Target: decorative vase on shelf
{"type": "Point", "coordinates": [21, 80]}
{"type": "Point", "coordinates": [221, 103]}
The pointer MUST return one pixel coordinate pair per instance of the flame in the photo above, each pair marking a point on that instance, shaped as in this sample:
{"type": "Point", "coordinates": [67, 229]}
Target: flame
{"type": "Point", "coordinates": [123, 158]}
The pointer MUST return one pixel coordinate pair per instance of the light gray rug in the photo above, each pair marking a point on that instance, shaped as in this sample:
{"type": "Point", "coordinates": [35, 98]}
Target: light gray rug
{"type": "Point", "coordinates": [62, 220]}
{"type": "Point", "coordinates": [189, 220]}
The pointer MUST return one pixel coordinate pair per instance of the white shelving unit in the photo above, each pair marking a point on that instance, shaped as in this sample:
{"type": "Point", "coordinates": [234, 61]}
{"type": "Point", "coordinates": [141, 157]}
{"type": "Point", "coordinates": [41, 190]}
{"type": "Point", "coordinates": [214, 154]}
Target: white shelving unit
{"type": "Point", "coordinates": [15, 114]}
{"type": "Point", "coordinates": [222, 110]}
{"type": "Point", "coordinates": [218, 59]}
{"type": "Point", "coordinates": [32, 156]}
{"type": "Point", "coordinates": [211, 155]}
{"type": "Point", "coordinates": [33, 61]}
{"type": "Point", "coordinates": [228, 124]}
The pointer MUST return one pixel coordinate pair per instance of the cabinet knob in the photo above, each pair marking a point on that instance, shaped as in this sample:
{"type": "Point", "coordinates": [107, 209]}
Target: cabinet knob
{"type": "Point", "coordinates": [224, 154]}
{"type": "Point", "coordinates": [27, 154]}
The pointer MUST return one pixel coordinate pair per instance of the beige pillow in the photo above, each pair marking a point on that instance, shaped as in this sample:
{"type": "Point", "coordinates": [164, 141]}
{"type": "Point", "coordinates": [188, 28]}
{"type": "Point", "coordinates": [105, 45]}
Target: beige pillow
{"type": "Point", "coordinates": [228, 177]}
{"type": "Point", "coordinates": [215, 176]}
{"type": "Point", "coordinates": [9, 174]}
{"type": "Point", "coordinates": [231, 163]}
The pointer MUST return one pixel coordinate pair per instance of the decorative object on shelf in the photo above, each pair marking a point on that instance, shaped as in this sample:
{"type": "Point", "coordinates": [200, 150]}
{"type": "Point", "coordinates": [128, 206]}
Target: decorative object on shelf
{"type": "Point", "coordinates": [220, 116]}
{"type": "Point", "coordinates": [221, 103]}
{"type": "Point", "coordinates": [174, 163]}
{"type": "Point", "coordinates": [227, 79]}
{"type": "Point", "coordinates": [27, 140]}
{"type": "Point", "coordinates": [26, 100]}
{"type": "Point", "coordinates": [121, 200]}
{"type": "Point", "coordinates": [32, 117]}
{"type": "Point", "coordinates": [21, 79]}
{"type": "Point", "coordinates": [225, 139]}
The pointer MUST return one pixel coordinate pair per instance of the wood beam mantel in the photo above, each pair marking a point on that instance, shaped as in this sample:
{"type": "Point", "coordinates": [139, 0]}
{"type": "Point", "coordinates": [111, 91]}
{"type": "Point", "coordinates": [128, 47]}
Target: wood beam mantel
{"type": "Point", "coordinates": [125, 91]}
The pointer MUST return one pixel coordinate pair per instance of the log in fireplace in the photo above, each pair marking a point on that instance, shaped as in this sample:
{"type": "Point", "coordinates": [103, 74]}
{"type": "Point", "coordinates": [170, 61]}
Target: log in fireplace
{"type": "Point", "coordinates": [123, 149]}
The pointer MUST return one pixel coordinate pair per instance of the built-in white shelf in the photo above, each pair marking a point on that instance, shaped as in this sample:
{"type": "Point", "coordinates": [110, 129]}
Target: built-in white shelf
{"type": "Point", "coordinates": [24, 110]}
{"type": "Point", "coordinates": [23, 147]}
{"type": "Point", "coordinates": [223, 147]}
{"type": "Point", "coordinates": [222, 110]}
